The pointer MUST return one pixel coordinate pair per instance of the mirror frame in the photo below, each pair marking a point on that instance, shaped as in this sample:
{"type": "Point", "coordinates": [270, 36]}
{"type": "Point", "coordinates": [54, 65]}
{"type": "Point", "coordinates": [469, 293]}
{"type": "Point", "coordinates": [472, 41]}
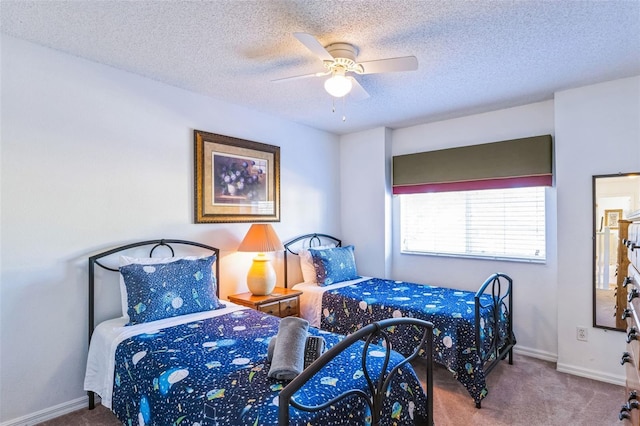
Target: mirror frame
{"type": "Point", "coordinates": [594, 247]}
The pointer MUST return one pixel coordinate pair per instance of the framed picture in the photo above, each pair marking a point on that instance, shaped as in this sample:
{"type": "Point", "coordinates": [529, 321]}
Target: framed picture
{"type": "Point", "coordinates": [611, 218]}
{"type": "Point", "coordinates": [236, 180]}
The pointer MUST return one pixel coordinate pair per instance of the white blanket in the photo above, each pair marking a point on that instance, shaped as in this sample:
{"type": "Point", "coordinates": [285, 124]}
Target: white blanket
{"type": "Point", "coordinates": [311, 298]}
{"type": "Point", "coordinates": [108, 334]}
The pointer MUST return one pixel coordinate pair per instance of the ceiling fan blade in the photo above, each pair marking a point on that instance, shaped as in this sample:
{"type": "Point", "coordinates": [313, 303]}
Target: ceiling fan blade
{"type": "Point", "coordinates": [299, 77]}
{"type": "Point", "coordinates": [405, 63]}
{"type": "Point", "coordinates": [357, 91]}
{"type": "Point", "coordinates": [314, 46]}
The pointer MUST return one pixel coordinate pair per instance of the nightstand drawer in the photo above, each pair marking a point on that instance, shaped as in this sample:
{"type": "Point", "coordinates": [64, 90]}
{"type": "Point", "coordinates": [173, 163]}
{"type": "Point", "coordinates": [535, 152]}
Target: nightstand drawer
{"type": "Point", "coordinates": [282, 302]}
{"type": "Point", "coordinates": [289, 307]}
{"type": "Point", "coordinates": [270, 308]}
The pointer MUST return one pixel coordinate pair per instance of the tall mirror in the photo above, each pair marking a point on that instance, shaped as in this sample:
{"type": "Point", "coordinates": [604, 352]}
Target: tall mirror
{"type": "Point", "coordinates": [615, 197]}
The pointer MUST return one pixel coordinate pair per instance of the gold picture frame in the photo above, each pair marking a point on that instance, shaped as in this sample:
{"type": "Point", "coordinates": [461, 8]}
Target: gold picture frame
{"type": "Point", "coordinates": [235, 180]}
{"type": "Point", "coordinates": [611, 218]}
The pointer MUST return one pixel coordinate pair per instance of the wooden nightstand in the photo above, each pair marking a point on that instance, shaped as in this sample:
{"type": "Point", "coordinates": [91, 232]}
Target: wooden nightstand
{"type": "Point", "coordinates": [283, 302]}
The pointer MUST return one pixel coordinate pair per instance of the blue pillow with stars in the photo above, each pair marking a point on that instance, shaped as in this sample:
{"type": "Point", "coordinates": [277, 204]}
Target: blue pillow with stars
{"type": "Point", "coordinates": [334, 265]}
{"type": "Point", "coordinates": [166, 290]}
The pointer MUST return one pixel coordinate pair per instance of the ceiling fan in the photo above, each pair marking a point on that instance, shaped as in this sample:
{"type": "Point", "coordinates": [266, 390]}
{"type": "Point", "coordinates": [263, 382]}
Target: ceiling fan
{"type": "Point", "coordinates": [339, 60]}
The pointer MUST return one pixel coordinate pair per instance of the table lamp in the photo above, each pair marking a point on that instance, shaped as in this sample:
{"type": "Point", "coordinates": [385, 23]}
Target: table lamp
{"type": "Point", "coordinates": [261, 238]}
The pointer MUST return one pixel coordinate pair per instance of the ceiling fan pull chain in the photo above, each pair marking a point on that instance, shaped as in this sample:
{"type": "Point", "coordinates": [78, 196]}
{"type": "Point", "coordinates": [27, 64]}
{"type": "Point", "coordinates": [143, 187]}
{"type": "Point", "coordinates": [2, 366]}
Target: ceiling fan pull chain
{"type": "Point", "coordinates": [344, 108]}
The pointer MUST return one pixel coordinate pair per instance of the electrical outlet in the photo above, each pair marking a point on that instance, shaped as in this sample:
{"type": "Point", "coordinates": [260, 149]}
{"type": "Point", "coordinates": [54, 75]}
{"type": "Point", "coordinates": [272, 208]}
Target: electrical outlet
{"type": "Point", "coordinates": [581, 334]}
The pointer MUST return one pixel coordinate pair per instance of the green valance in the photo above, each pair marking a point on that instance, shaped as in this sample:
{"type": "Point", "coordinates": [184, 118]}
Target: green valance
{"type": "Point", "coordinates": [506, 164]}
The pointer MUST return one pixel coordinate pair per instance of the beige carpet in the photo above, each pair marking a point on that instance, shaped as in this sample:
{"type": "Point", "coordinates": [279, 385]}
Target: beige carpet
{"type": "Point", "coordinates": [530, 392]}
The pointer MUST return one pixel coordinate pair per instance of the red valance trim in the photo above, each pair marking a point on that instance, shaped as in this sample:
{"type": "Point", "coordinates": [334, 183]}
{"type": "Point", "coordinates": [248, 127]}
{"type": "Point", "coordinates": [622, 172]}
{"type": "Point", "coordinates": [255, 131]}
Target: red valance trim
{"type": "Point", "coordinates": [473, 185]}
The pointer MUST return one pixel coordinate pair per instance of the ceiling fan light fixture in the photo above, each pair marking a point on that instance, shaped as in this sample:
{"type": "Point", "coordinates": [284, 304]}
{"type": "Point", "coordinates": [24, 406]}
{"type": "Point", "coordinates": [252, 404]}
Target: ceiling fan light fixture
{"type": "Point", "coordinates": [338, 85]}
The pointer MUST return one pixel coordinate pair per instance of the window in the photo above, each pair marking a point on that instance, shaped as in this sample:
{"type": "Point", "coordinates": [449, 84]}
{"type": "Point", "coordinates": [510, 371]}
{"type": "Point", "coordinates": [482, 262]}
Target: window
{"type": "Point", "coordinates": [492, 223]}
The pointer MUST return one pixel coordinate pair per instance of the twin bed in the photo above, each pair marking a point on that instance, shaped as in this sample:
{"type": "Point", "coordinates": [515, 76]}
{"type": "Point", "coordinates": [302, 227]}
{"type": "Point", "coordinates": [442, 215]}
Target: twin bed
{"type": "Point", "coordinates": [179, 355]}
{"type": "Point", "coordinates": [473, 331]}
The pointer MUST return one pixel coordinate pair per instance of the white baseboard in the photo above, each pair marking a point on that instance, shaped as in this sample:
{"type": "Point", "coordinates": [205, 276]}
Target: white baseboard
{"type": "Point", "coordinates": [535, 353]}
{"type": "Point", "coordinates": [49, 413]}
{"type": "Point", "coordinates": [592, 374]}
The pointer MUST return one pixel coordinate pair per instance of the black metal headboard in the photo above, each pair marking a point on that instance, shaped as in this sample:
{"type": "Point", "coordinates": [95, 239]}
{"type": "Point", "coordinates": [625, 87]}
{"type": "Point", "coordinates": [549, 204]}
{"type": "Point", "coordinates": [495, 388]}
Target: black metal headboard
{"type": "Point", "coordinates": [305, 241]}
{"type": "Point", "coordinates": [94, 260]}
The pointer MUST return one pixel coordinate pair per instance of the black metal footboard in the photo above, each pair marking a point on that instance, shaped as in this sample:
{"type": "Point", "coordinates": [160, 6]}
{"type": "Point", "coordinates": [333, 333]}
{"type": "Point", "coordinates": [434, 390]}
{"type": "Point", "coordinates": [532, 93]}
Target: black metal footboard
{"type": "Point", "coordinates": [371, 333]}
{"type": "Point", "coordinates": [503, 340]}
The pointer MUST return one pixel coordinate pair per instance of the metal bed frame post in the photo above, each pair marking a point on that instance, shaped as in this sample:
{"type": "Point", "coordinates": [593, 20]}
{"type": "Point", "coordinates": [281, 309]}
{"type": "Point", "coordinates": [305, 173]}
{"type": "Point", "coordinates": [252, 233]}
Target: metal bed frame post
{"type": "Point", "coordinates": [510, 328]}
{"type": "Point", "coordinates": [90, 394]}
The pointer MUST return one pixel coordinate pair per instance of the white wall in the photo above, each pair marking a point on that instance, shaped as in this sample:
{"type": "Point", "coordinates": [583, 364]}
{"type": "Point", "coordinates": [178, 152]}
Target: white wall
{"type": "Point", "coordinates": [365, 165]}
{"type": "Point", "coordinates": [93, 157]}
{"type": "Point", "coordinates": [534, 289]}
{"type": "Point", "coordinates": [598, 132]}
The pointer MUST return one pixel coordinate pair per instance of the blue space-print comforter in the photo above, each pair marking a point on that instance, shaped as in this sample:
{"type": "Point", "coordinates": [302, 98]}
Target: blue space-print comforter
{"type": "Point", "coordinates": [452, 312]}
{"type": "Point", "coordinates": [214, 372]}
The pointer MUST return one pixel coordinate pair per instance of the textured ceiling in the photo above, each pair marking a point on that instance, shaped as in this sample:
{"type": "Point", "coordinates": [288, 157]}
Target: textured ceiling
{"type": "Point", "coordinates": [473, 56]}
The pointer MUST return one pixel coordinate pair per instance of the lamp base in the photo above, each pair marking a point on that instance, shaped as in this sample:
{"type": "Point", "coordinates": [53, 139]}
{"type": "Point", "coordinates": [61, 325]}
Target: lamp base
{"type": "Point", "coordinates": [261, 278]}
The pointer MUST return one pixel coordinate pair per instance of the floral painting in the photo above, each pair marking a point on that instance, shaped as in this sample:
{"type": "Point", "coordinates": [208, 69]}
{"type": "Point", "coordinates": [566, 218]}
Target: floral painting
{"type": "Point", "coordinates": [239, 180]}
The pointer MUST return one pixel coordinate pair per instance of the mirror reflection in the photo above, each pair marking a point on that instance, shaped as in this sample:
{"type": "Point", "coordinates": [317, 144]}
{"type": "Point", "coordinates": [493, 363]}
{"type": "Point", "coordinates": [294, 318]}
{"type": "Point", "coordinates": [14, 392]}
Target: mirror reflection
{"type": "Point", "coordinates": [615, 197]}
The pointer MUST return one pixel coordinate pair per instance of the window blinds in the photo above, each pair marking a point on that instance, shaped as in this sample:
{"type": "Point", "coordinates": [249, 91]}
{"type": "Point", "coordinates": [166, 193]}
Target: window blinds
{"type": "Point", "coordinates": [499, 223]}
{"type": "Point", "coordinates": [508, 164]}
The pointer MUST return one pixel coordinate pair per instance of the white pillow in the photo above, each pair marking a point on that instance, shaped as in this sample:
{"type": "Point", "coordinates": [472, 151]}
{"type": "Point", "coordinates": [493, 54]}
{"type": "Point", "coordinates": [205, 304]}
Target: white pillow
{"type": "Point", "coordinates": [306, 263]}
{"type": "Point", "coordinates": [127, 260]}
